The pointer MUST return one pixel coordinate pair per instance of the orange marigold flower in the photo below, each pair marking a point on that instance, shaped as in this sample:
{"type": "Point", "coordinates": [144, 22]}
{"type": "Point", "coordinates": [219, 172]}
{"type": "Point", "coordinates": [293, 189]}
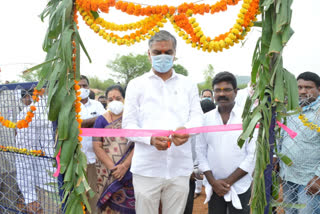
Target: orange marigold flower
{"type": "Point", "coordinates": [1, 118]}
{"type": "Point", "coordinates": [33, 108]}
{"type": "Point", "coordinates": [77, 87]}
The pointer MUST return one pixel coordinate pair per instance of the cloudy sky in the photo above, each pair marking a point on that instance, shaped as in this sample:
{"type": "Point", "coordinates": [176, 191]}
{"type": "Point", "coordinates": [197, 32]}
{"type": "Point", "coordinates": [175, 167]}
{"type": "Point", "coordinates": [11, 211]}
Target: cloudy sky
{"type": "Point", "coordinates": [22, 33]}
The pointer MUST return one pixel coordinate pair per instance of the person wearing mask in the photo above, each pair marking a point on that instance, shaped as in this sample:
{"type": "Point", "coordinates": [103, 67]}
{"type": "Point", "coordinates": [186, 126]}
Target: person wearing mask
{"type": "Point", "coordinates": [90, 110]}
{"type": "Point", "coordinates": [207, 94]}
{"type": "Point", "coordinates": [114, 154]}
{"type": "Point", "coordinates": [227, 167]}
{"type": "Point", "coordinates": [162, 99]}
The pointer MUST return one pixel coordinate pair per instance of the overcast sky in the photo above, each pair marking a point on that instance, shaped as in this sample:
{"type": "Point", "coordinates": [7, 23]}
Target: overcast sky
{"type": "Point", "coordinates": [22, 34]}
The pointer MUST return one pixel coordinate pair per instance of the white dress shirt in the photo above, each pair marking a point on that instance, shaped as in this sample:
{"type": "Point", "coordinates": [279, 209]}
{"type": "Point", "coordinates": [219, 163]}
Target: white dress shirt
{"type": "Point", "coordinates": [220, 153]}
{"type": "Point", "coordinates": [89, 110]}
{"type": "Point", "coordinates": [35, 171]}
{"type": "Point", "coordinates": [152, 103]}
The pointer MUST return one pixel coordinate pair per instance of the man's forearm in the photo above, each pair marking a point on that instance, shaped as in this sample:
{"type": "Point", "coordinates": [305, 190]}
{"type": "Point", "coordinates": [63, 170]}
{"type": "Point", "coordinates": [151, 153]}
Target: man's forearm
{"type": "Point", "coordinates": [88, 123]}
{"type": "Point", "coordinates": [235, 176]}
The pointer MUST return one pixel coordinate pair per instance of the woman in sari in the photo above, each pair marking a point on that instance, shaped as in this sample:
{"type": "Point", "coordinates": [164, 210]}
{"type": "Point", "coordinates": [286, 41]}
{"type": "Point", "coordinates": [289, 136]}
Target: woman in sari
{"type": "Point", "coordinates": [114, 154]}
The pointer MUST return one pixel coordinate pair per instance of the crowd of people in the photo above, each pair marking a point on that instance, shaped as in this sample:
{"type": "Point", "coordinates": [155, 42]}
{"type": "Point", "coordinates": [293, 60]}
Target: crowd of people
{"type": "Point", "coordinates": [164, 174]}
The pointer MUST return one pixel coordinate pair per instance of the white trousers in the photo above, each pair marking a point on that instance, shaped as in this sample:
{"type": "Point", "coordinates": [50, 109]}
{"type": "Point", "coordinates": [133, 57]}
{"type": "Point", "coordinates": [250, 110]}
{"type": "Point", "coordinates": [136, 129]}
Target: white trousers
{"type": "Point", "coordinates": [148, 192]}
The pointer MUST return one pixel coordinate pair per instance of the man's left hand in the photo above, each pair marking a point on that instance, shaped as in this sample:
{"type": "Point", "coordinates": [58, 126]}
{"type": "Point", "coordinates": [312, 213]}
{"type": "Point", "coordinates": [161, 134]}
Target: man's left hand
{"type": "Point", "coordinates": [179, 139]}
{"type": "Point", "coordinates": [313, 187]}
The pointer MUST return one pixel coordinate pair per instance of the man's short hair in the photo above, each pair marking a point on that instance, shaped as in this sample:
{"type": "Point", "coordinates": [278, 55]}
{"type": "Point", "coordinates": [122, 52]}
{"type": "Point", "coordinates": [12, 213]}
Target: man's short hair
{"type": "Point", "coordinates": [310, 76]}
{"type": "Point", "coordinates": [225, 76]}
{"type": "Point", "coordinates": [163, 35]}
{"type": "Point", "coordinates": [207, 105]}
{"type": "Point", "coordinates": [83, 77]}
{"type": "Point", "coordinates": [102, 97]}
{"type": "Point", "coordinates": [204, 90]}
{"type": "Point", "coordinates": [25, 92]}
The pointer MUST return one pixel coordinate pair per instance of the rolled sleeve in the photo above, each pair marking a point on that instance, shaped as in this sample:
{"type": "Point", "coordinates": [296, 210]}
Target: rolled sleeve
{"type": "Point", "coordinates": [248, 163]}
{"type": "Point", "coordinates": [201, 151]}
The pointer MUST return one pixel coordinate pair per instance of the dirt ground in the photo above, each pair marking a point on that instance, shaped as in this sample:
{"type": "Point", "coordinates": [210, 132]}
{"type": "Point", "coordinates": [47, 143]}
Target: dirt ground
{"type": "Point", "coordinates": [198, 206]}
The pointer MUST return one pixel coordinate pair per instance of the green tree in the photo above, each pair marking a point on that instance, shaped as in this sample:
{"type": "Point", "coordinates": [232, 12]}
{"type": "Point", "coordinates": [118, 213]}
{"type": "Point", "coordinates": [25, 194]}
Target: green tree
{"type": "Point", "coordinates": [208, 74]}
{"type": "Point", "coordinates": [180, 69]}
{"type": "Point", "coordinates": [95, 82]}
{"type": "Point", "coordinates": [127, 67]}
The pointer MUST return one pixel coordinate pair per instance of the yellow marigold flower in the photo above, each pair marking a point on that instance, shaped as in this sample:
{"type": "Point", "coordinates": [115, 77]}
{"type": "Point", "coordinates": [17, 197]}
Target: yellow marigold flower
{"type": "Point", "coordinates": [247, 1]}
{"type": "Point", "coordinates": [245, 5]}
{"type": "Point", "coordinates": [194, 44]}
{"type": "Point", "coordinates": [185, 37]}
{"type": "Point", "coordinates": [318, 130]}
{"type": "Point", "coordinates": [251, 24]}
{"type": "Point", "coordinates": [143, 37]}
{"type": "Point", "coordinates": [101, 32]}
{"type": "Point", "coordinates": [209, 50]}
{"type": "Point", "coordinates": [203, 39]}
{"type": "Point", "coordinates": [237, 26]}
{"type": "Point", "coordinates": [189, 12]}
{"type": "Point", "coordinates": [164, 20]}
{"type": "Point", "coordinates": [222, 44]}
{"type": "Point", "coordinates": [151, 32]}
{"type": "Point", "coordinates": [228, 41]}
{"type": "Point", "coordinates": [241, 15]}
{"type": "Point", "coordinates": [137, 38]}
{"type": "Point", "coordinates": [211, 44]}
{"type": "Point", "coordinates": [216, 45]}
{"type": "Point", "coordinates": [197, 29]}
{"type": "Point", "coordinates": [196, 24]}
{"type": "Point", "coordinates": [199, 34]}
{"type": "Point", "coordinates": [192, 20]}
{"type": "Point", "coordinates": [156, 29]}
{"type": "Point", "coordinates": [243, 10]}
{"type": "Point", "coordinates": [160, 24]}
{"type": "Point", "coordinates": [240, 21]}
{"type": "Point", "coordinates": [188, 41]}
{"type": "Point", "coordinates": [235, 31]}
{"type": "Point", "coordinates": [90, 22]}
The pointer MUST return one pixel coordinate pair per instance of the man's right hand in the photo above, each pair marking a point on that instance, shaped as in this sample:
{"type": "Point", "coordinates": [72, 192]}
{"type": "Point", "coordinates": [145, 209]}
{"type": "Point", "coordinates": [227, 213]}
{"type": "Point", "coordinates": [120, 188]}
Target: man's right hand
{"type": "Point", "coordinates": [220, 187]}
{"type": "Point", "coordinates": [161, 143]}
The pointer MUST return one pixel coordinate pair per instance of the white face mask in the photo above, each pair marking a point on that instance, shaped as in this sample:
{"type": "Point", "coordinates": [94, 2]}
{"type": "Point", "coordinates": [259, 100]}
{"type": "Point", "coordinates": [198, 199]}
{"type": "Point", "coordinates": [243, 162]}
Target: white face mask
{"type": "Point", "coordinates": [84, 93]}
{"type": "Point", "coordinates": [116, 107]}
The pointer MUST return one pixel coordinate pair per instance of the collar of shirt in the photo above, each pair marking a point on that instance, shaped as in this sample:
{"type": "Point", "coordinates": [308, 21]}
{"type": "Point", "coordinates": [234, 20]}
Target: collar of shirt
{"type": "Point", "coordinates": [313, 106]}
{"type": "Point", "coordinates": [235, 112]}
{"type": "Point", "coordinates": [151, 74]}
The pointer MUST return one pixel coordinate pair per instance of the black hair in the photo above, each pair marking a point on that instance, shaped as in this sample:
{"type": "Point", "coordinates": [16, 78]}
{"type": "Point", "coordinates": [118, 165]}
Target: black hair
{"type": "Point", "coordinates": [101, 96]}
{"type": "Point", "coordinates": [207, 105]}
{"type": "Point", "coordinates": [83, 77]}
{"type": "Point", "coordinates": [92, 95]}
{"type": "Point", "coordinates": [225, 76]}
{"type": "Point", "coordinates": [204, 90]}
{"type": "Point", "coordinates": [310, 76]}
{"type": "Point", "coordinates": [25, 92]}
{"type": "Point", "coordinates": [116, 87]}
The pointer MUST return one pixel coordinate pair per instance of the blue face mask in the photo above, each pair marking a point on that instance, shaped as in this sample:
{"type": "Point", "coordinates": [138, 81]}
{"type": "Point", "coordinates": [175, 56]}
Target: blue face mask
{"type": "Point", "coordinates": [206, 98]}
{"type": "Point", "coordinates": [162, 63]}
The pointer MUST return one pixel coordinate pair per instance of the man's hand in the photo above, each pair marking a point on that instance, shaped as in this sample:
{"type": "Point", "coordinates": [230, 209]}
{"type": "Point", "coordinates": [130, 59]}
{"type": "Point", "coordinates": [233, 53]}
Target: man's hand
{"type": "Point", "coordinates": [221, 187]}
{"type": "Point", "coordinates": [161, 143]}
{"type": "Point", "coordinates": [313, 187]}
{"type": "Point", "coordinates": [179, 139]}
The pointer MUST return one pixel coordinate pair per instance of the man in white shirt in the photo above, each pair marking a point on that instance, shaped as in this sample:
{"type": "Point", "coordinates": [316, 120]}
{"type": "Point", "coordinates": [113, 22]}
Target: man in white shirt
{"type": "Point", "coordinates": [90, 110]}
{"type": "Point", "coordinates": [34, 173]}
{"type": "Point", "coordinates": [161, 99]}
{"type": "Point", "coordinates": [227, 167]}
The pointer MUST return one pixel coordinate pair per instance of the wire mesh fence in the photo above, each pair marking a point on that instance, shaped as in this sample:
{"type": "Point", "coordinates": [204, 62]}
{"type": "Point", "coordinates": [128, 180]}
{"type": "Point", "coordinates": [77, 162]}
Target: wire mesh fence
{"type": "Point", "coordinates": [296, 168]}
{"type": "Point", "coordinates": [26, 155]}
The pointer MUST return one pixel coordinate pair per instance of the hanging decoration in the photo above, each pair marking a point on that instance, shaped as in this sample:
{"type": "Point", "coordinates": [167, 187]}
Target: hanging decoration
{"type": "Point", "coordinates": [180, 17]}
{"type": "Point", "coordinates": [22, 151]}
{"type": "Point", "coordinates": [307, 123]}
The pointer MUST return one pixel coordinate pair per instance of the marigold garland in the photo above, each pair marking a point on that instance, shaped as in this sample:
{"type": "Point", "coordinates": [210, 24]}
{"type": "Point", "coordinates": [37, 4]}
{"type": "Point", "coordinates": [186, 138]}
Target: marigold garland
{"type": "Point", "coordinates": [309, 124]}
{"type": "Point", "coordinates": [24, 123]}
{"type": "Point", "coordinates": [22, 151]}
{"type": "Point", "coordinates": [186, 27]}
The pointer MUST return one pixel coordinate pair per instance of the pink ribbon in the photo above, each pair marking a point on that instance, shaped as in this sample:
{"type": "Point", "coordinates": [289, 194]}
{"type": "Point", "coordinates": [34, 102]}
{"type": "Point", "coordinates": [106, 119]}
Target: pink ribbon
{"type": "Point", "coordinates": [100, 132]}
{"type": "Point", "coordinates": [58, 164]}
{"type": "Point", "coordinates": [291, 133]}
